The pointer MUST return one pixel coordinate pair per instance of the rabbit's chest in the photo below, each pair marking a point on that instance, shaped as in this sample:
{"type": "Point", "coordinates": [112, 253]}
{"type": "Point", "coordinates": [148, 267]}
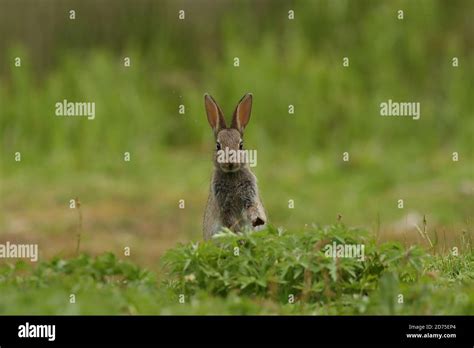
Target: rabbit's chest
{"type": "Point", "coordinates": [233, 195]}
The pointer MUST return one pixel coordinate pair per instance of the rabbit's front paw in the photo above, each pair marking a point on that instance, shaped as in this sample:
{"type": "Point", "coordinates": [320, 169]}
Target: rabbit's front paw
{"type": "Point", "coordinates": [258, 222]}
{"type": "Point", "coordinates": [254, 218]}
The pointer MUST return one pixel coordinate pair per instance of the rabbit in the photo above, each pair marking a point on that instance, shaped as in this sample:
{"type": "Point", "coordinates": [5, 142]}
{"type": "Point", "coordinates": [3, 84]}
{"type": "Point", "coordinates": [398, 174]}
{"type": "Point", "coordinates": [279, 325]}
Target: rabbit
{"type": "Point", "coordinates": [234, 200]}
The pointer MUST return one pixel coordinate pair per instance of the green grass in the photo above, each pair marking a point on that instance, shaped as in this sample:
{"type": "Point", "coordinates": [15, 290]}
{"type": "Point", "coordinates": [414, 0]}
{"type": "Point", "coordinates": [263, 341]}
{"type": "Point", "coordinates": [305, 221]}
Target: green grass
{"type": "Point", "coordinates": [282, 63]}
{"type": "Point", "coordinates": [270, 267]}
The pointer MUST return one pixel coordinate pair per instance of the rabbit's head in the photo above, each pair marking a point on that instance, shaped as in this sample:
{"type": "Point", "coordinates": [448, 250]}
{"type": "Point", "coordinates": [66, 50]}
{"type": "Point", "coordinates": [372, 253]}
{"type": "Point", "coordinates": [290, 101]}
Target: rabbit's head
{"type": "Point", "coordinates": [228, 139]}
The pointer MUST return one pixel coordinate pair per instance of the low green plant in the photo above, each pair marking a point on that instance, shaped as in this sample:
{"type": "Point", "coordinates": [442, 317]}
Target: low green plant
{"type": "Point", "coordinates": [280, 265]}
{"type": "Point", "coordinates": [267, 272]}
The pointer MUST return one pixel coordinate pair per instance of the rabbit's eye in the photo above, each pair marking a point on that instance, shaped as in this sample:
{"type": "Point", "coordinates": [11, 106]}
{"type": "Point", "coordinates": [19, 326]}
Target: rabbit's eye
{"type": "Point", "coordinates": [218, 146]}
{"type": "Point", "coordinates": [241, 145]}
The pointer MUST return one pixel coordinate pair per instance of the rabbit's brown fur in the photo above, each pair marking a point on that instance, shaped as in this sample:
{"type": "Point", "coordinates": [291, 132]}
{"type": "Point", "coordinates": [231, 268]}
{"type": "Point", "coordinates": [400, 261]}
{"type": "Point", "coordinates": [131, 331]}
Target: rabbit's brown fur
{"type": "Point", "coordinates": [234, 200]}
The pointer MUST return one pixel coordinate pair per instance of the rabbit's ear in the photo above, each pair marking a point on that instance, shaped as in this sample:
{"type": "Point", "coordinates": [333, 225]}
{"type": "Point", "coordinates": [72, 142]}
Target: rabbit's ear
{"type": "Point", "coordinates": [242, 113]}
{"type": "Point", "coordinates": [214, 114]}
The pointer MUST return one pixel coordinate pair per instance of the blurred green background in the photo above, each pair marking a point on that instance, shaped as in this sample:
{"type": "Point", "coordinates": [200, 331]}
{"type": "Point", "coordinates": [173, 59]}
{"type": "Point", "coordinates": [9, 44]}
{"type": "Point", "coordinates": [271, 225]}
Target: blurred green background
{"type": "Point", "coordinates": [282, 62]}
